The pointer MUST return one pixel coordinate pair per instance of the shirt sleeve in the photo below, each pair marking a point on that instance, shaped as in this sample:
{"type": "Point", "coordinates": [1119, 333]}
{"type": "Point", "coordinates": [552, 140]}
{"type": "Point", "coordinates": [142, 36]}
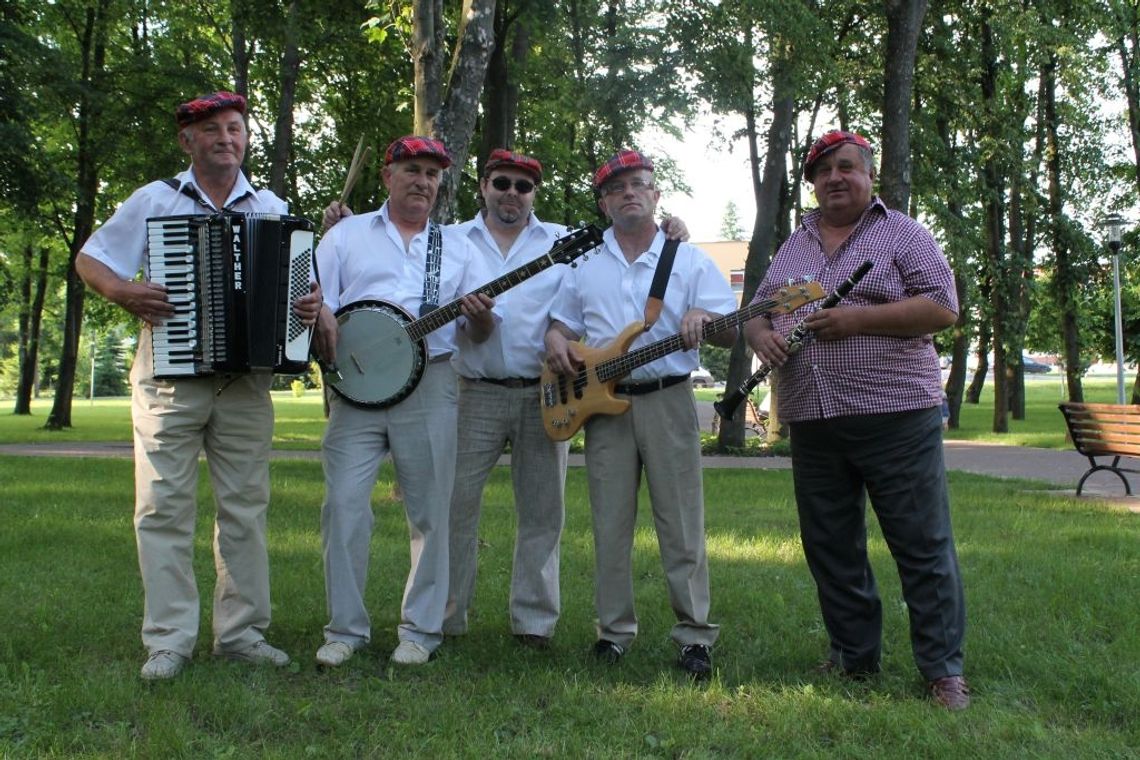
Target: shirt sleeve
{"type": "Point", "coordinates": [567, 306]}
{"type": "Point", "coordinates": [711, 291]}
{"type": "Point", "coordinates": [120, 243]}
{"type": "Point", "coordinates": [925, 271]}
{"type": "Point", "coordinates": [328, 268]}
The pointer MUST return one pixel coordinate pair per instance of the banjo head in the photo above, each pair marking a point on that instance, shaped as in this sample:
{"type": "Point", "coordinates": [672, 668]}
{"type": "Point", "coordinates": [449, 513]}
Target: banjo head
{"type": "Point", "coordinates": [378, 362]}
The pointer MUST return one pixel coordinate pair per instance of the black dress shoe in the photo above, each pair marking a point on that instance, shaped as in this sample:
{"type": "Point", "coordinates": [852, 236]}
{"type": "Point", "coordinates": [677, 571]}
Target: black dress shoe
{"type": "Point", "coordinates": [533, 640]}
{"type": "Point", "coordinates": [696, 660]}
{"type": "Point", "coordinates": [831, 667]}
{"type": "Point", "coordinates": [608, 651]}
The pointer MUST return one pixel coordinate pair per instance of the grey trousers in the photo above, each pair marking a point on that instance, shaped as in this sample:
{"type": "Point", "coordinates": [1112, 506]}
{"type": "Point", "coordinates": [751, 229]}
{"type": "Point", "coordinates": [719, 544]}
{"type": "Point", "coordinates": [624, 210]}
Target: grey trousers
{"type": "Point", "coordinates": [660, 435]}
{"type": "Point", "coordinates": [419, 433]}
{"type": "Point", "coordinates": [896, 459]}
{"type": "Point", "coordinates": [490, 416]}
{"type": "Point", "coordinates": [174, 421]}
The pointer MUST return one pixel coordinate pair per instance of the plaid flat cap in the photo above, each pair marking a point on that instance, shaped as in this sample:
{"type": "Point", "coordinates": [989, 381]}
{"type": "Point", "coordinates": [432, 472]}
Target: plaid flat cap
{"type": "Point", "coordinates": [208, 105]}
{"type": "Point", "coordinates": [828, 142]}
{"type": "Point", "coordinates": [623, 161]}
{"type": "Point", "coordinates": [417, 146]}
{"type": "Point", "coordinates": [501, 158]}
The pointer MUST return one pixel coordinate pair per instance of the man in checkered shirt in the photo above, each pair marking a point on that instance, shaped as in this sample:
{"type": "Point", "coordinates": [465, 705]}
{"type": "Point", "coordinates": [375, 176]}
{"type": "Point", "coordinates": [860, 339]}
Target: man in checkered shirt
{"type": "Point", "coordinates": [862, 399]}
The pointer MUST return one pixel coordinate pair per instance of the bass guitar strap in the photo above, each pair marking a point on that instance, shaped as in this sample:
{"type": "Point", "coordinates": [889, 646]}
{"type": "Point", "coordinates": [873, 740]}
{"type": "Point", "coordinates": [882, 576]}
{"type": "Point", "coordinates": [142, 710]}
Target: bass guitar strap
{"type": "Point", "coordinates": [660, 282]}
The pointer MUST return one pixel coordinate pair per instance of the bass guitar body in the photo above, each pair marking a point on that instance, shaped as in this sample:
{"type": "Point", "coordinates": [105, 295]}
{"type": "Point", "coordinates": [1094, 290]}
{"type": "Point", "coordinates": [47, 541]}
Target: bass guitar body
{"type": "Point", "coordinates": [378, 362]}
{"type": "Point", "coordinates": [567, 402]}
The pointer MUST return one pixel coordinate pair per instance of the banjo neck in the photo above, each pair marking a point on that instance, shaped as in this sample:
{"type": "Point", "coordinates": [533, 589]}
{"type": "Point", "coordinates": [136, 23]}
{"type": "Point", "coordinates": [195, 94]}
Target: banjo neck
{"type": "Point", "coordinates": [564, 252]}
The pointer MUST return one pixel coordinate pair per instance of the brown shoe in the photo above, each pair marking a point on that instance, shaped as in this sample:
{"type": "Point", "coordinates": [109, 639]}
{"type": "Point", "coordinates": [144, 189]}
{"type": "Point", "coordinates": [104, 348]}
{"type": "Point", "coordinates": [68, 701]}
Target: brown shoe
{"type": "Point", "coordinates": [950, 692]}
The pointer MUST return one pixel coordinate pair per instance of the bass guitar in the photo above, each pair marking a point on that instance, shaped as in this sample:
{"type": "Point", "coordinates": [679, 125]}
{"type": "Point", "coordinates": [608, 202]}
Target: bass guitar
{"type": "Point", "coordinates": [381, 350]}
{"type": "Point", "coordinates": [568, 401]}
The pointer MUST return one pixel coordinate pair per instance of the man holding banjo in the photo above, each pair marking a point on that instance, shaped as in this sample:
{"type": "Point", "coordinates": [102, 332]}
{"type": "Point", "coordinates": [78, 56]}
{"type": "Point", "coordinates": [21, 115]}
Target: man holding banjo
{"type": "Point", "coordinates": [398, 255]}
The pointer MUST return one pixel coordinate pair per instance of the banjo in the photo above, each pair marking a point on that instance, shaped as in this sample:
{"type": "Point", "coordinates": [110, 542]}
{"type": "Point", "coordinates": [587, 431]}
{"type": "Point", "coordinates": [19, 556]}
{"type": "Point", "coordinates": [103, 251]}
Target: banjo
{"type": "Point", "coordinates": [381, 352]}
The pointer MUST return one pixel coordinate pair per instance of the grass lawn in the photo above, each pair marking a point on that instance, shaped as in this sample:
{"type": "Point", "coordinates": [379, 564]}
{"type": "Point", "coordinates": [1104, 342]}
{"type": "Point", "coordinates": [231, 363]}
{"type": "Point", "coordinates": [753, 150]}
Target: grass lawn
{"type": "Point", "coordinates": [1053, 651]}
{"type": "Point", "coordinates": [300, 421]}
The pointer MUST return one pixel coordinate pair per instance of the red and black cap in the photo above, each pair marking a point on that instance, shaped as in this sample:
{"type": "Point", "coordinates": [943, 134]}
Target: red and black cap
{"type": "Point", "coordinates": [623, 161]}
{"type": "Point", "coordinates": [417, 146]}
{"type": "Point", "coordinates": [502, 158]}
{"type": "Point", "coordinates": [207, 105]}
{"type": "Point", "coordinates": [830, 141]}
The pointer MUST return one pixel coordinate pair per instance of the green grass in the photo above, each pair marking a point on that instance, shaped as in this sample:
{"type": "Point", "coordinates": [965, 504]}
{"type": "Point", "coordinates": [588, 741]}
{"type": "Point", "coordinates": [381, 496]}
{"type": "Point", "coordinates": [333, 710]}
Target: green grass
{"type": "Point", "coordinates": [300, 421]}
{"type": "Point", "coordinates": [1053, 651]}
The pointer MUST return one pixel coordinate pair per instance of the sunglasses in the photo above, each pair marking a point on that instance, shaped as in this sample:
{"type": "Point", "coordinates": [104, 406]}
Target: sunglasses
{"type": "Point", "coordinates": [503, 184]}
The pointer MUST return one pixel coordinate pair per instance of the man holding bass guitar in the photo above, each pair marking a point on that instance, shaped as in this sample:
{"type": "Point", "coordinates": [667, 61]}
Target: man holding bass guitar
{"type": "Point", "coordinates": [398, 255]}
{"type": "Point", "coordinates": [661, 432]}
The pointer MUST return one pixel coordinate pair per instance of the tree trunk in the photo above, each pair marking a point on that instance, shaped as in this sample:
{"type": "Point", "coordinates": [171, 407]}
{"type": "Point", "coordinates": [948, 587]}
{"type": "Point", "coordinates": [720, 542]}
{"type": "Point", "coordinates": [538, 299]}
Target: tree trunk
{"type": "Point", "coordinates": [501, 90]}
{"type": "Point", "coordinates": [31, 316]}
{"type": "Point", "coordinates": [427, 60]}
{"type": "Point", "coordinates": [455, 122]}
{"type": "Point", "coordinates": [288, 74]}
{"type": "Point", "coordinates": [1064, 274]}
{"type": "Point", "coordinates": [93, 47]}
{"type": "Point", "coordinates": [767, 192]}
{"type": "Point", "coordinates": [904, 24]}
{"type": "Point", "coordinates": [993, 190]}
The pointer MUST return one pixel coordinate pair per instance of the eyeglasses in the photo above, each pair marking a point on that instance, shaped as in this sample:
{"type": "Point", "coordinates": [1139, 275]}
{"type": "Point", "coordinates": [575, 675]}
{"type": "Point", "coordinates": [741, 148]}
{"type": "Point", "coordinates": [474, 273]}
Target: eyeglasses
{"type": "Point", "coordinates": [636, 185]}
{"type": "Point", "coordinates": [503, 184]}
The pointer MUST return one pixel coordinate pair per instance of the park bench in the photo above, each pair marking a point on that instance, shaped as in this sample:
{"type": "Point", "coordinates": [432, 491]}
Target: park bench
{"type": "Point", "coordinates": [1104, 430]}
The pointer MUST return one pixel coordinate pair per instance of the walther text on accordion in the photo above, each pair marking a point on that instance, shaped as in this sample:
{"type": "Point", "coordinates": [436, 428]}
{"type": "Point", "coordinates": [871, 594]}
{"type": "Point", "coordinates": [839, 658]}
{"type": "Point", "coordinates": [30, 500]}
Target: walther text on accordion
{"type": "Point", "coordinates": [232, 279]}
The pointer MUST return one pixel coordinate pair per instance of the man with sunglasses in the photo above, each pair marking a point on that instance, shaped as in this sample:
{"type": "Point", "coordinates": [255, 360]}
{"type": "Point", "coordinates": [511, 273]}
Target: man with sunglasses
{"type": "Point", "coordinates": [498, 404]}
{"type": "Point", "coordinates": [660, 433]}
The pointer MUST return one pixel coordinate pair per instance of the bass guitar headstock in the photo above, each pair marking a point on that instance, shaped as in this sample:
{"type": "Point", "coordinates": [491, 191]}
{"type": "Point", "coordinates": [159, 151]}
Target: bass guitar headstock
{"type": "Point", "coordinates": [794, 295]}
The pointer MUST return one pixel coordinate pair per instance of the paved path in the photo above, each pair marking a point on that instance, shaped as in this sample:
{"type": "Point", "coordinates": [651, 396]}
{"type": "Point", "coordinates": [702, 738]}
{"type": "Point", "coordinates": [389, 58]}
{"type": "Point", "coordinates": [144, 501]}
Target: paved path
{"type": "Point", "coordinates": [1062, 468]}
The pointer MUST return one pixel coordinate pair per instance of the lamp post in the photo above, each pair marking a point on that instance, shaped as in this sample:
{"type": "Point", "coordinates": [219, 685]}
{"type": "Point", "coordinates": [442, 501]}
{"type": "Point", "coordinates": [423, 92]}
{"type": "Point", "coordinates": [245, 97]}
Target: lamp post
{"type": "Point", "coordinates": [1114, 225]}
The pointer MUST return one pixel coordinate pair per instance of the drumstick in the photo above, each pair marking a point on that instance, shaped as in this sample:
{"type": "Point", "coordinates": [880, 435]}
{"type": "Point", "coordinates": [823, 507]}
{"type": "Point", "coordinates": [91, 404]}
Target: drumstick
{"type": "Point", "coordinates": [359, 159]}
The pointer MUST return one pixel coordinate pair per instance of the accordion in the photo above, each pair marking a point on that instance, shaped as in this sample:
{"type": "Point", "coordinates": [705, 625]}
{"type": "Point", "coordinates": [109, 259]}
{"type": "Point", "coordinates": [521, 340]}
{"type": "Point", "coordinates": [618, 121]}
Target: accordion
{"type": "Point", "coordinates": [232, 279]}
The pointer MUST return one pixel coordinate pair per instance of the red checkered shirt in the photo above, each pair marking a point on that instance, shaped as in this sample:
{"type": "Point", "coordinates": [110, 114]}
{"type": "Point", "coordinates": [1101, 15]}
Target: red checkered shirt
{"type": "Point", "coordinates": [862, 374]}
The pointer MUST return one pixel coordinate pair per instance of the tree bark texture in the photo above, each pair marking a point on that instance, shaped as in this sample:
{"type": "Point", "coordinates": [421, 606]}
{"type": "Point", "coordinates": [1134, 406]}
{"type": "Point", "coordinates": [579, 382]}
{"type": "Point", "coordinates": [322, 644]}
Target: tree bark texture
{"type": "Point", "coordinates": [31, 315]}
{"type": "Point", "coordinates": [288, 73]}
{"type": "Point", "coordinates": [904, 24]}
{"type": "Point", "coordinates": [455, 122]}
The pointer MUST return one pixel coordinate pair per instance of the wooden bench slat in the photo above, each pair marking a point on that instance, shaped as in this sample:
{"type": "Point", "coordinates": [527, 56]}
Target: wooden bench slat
{"type": "Point", "coordinates": [1104, 430]}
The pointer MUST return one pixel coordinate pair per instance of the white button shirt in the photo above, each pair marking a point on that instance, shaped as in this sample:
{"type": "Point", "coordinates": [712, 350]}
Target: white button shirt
{"type": "Point", "coordinates": [516, 347]}
{"type": "Point", "coordinates": [602, 297]}
{"type": "Point", "coordinates": [363, 258]}
{"type": "Point", "coordinates": [121, 242]}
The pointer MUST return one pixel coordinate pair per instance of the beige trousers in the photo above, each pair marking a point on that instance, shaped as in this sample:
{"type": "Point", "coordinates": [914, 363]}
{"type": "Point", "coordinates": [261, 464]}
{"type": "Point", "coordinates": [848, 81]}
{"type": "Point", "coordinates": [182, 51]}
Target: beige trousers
{"type": "Point", "coordinates": [659, 435]}
{"type": "Point", "coordinates": [231, 420]}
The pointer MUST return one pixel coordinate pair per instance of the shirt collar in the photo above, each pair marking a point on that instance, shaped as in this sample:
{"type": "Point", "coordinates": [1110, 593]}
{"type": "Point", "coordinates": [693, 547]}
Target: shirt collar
{"type": "Point", "coordinates": [648, 256]}
{"type": "Point", "coordinates": [240, 190]}
{"type": "Point", "coordinates": [876, 205]}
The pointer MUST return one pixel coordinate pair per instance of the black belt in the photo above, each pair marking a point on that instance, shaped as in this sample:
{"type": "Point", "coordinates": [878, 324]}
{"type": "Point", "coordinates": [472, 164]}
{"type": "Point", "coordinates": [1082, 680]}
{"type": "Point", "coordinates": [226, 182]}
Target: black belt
{"type": "Point", "coordinates": [506, 382]}
{"type": "Point", "coordinates": [648, 386]}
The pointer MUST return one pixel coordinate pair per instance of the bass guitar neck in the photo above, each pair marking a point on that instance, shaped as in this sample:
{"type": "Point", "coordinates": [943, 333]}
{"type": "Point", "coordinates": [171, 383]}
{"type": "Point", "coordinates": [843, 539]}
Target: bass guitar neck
{"type": "Point", "coordinates": [568, 401]}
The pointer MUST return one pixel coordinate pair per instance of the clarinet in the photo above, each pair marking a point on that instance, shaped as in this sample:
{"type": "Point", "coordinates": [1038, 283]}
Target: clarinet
{"type": "Point", "coordinates": [727, 406]}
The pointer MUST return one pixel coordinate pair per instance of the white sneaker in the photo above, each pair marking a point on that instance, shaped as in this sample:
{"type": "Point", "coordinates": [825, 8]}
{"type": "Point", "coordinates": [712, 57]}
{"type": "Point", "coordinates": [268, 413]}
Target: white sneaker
{"type": "Point", "coordinates": [334, 653]}
{"type": "Point", "coordinates": [410, 653]}
{"type": "Point", "coordinates": [162, 664]}
{"type": "Point", "coordinates": [261, 653]}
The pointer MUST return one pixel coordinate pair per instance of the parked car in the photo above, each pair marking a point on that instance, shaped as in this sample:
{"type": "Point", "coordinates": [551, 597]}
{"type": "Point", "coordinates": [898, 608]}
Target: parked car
{"type": "Point", "coordinates": [1034, 367]}
{"type": "Point", "coordinates": [701, 378]}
